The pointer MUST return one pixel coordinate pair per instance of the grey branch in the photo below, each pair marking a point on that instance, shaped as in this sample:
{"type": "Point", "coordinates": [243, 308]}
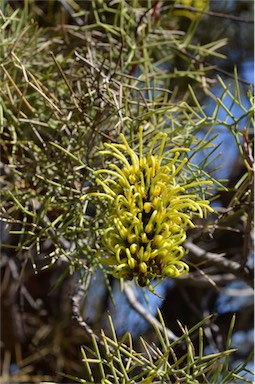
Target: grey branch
{"type": "Point", "coordinates": [134, 303]}
{"type": "Point", "coordinates": [76, 301]}
{"type": "Point", "coordinates": [219, 261]}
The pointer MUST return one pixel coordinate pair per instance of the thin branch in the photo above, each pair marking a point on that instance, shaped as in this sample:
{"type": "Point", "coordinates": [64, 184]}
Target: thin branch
{"type": "Point", "coordinates": [76, 301]}
{"type": "Point", "coordinates": [214, 14]}
{"type": "Point", "coordinates": [221, 262]}
{"type": "Point", "coordinates": [134, 303]}
{"type": "Point", "coordinates": [76, 308]}
{"type": "Point", "coordinates": [71, 11]}
{"type": "Point", "coordinates": [248, 231]}
{"type": "Point", "coordinates": [214, 68]}
{"type": "Point", "coordinates": [197, 280]}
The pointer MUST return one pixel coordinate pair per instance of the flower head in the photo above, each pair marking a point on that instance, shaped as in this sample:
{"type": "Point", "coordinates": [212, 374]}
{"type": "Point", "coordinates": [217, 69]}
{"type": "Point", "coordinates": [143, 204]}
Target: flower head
{"type": "Point", "coordinates": [149, 211]}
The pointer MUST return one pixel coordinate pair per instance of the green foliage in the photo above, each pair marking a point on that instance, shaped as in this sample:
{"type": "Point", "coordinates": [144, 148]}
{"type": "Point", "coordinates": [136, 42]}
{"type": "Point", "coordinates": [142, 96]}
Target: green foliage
{"type": "Point", "coordinates": [65, 90]}
{"type": "Point", "coordinates": [112, 361]}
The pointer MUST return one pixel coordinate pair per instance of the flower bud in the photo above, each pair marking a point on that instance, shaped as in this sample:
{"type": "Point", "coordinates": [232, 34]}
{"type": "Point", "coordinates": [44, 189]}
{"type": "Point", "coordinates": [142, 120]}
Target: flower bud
{"type": "Point", "coordinates": [147, 207]}
{"type": "Point", "coordinates": [157, 240]}
{"type": "Point", "coordinates": [131, 262]}
{"type": "Point", "coordinates": [133, 248]}
{"type": "Point", "coordinates": [144, 238]}
{"type": "Point", "coordinates": [143, 267]}
{"type": "Point", "coordinates": [132, 179]}
{"type": "Point", "coordinates": [170, 271]}
{"type": "Point", "coordinates": [156, 190]}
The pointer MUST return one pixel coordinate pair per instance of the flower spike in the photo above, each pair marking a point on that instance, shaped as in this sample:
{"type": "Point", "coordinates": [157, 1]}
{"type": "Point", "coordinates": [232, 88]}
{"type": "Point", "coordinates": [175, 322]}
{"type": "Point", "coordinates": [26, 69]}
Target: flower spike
{"type": "Point", "coordinates": [149, 210]}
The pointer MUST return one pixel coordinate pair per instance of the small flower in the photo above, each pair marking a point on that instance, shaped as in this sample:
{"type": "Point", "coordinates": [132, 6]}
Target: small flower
{"type": "Point", "coordinates": [149, 211]}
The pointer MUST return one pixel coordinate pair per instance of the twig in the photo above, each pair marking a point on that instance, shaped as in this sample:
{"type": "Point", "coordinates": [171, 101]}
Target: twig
{"type": "Point", "coordinates": [221, 262]}
{"type": "Point", "coordinates": [76, 308]}
{"type": "Point", "coordinates": [71, 11]}
{"type": "Point", "coordinates": [134, 303]}
{"type": "Point", "coordinates": [249, 163]}
{"type": "Point", "coordinates": [195, 279]}
{"type": "Point", "coordinates": [214, 14]}
{"type": "Point", "coordinates": [214, 68]}
{"type": "Point", "coordinates": [76, 314]}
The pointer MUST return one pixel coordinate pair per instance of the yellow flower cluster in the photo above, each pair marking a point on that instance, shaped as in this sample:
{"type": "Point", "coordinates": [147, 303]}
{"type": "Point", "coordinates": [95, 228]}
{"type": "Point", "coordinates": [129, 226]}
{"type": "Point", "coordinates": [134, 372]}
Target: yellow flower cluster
{"type": "Point", "coordinates": [149, 211]}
